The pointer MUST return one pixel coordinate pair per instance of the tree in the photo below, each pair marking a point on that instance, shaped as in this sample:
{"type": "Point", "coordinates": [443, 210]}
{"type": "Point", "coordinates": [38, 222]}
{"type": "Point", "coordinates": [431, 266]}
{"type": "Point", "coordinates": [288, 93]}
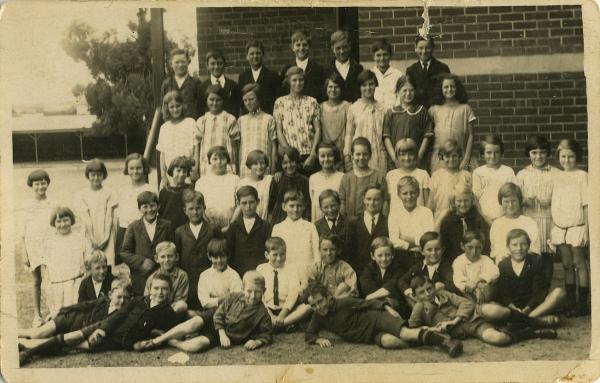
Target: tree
{"type": "Point", "coordinates": [120, 94]}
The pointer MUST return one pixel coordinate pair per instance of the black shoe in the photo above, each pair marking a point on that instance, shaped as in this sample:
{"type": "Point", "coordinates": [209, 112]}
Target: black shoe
{"type": "Point", "coordinates": [545, 333]}
{"type": "Point", "coordinates": [453, 347]}
{"type": "Point", "coordinates": [24, 357]}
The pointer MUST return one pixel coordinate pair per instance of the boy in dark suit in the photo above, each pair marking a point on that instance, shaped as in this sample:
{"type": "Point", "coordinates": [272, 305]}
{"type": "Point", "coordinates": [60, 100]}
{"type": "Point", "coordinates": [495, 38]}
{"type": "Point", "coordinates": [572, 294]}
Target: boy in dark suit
{"type": "Point", "coordinates": [425, 72]}
{"type": "Point", "coordinates": [314, 74]}
{"type": "Point", "coordinates": [215, 63]}
{"type": "Point", "coordinates": [269, 82]}
{"type": "Point", "coordinates": [99, 278]}
{"type": "Point", "coordinates": [332, 221]}
{"type": "Point", "coordinates": [181, 81]}
{"type": "Point", "coordinates": [344, 66]}
{"type": "Point", "coordinates": [141, 238]}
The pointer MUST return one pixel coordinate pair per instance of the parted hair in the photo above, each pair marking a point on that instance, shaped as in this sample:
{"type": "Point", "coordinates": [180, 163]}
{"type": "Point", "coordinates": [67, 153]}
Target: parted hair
{"type": "Point", "coordinates": [95, 165]}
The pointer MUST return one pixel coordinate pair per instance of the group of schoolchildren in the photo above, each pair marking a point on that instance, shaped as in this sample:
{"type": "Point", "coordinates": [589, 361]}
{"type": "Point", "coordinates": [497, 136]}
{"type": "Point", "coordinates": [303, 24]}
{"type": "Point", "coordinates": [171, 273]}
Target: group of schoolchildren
{"type": "Point", "coordinates": [257, 229]}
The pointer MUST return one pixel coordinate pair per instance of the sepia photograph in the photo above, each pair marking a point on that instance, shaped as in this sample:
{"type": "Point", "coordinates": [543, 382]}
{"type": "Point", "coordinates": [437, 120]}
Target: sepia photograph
{"type": "Point", "coordinates": [363, 188]}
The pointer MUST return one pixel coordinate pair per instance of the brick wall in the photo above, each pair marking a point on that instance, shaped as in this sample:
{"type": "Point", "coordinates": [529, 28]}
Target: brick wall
{"type": "Point", "coordinates": [476, 31]}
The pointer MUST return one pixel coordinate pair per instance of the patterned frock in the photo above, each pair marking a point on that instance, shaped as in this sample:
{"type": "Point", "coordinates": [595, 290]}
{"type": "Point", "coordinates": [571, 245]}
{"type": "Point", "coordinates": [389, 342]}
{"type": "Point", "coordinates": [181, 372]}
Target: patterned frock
{"type": "Point", "coordinates": [365, 119]}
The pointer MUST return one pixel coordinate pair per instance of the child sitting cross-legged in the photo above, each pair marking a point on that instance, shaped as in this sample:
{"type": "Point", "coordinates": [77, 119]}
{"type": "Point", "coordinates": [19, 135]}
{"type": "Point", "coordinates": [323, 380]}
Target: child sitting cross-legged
{"type": "Point", "coordinates": [99, 278]}
{"type": "Point", "coordinates": [241, 318]}
{"type": "Point", "coordinates": [360, 321]}
{"type": "Point", "coordinates": [166, 256]}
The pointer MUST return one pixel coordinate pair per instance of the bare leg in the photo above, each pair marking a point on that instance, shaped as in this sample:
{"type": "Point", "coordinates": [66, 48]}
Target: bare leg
{"type": "Point", "coordinates": [567, 261]}
{"type": "Point", "coordinates": [180, 307]}
{"type": "Point", "coordinates": [44, 331]}
{"type": "Point", "coordinates": [494, 337]}
{"type": "Point", "coordinates": [554, 300]}
{"type": "Point", "coordinates": [196, 344]}
{"type": "Point", "coordinates": [409, 334]}
{"type": "Point", "coordinates": [31, 343]}
{"type": "Point", "coordinates": [188, 327]}
{"type": "Point", "coordinates": [391, 342]}
{"type": "Point", "coordinates": [301, 312]}
{"type": "Point", "coordinates": [493, 312]}
{"type": "Point", "coordinates": [37, 291]}
{"type": "Point", "coordinates": [580, 266]}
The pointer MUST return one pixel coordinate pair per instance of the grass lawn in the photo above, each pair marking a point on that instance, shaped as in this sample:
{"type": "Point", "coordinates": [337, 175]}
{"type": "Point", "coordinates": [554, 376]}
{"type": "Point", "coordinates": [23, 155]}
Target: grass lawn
{"type": "Point", "coordinates": [573, 342]}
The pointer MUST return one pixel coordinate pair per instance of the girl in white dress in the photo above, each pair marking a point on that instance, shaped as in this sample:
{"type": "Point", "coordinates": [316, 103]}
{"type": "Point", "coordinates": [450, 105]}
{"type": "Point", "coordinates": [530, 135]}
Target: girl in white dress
{"type": "Point", "coordinates": [258, 163]}
{"type": "Point", "coordinates": [327, 178]}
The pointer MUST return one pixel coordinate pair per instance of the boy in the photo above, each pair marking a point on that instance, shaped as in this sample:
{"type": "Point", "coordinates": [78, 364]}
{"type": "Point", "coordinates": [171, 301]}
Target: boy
{"type": "Point", "coordinates": [344, 66]}
{"type": "Point", "coordinates": [337, 275]}
{"type": "Point", "coordinates": [521, 285]}
{"type": "Point", "coordinates": [332, 221]}
{"type": "Point", "coordinates": [191, 240]}
{"type": "Point", "coordinates": [141, 238]}
{"type": "Point", "coordinates": [387, 76]}
{"type": "Point", "coordinates": [425, 71]}
{"type": "Point", "coordinates": [166, 257]}
{"type": "Point", "coordinates": [360, 321]}
{"type": "Point", "coordinates": [215, 63]}
{"type": "Point", "coordinates": [269, 82]}
{"type": "Point", "coordinates": [240, 318]}
{"type": "Point", "coordinates": [99, 278]}
{"type": "Point", "coordinates": [247, 234]}
{"type": "Point", "coordinates": [300, 236]}
{"type": "Point", "coordinates": [73, 324]}
{"type": "Point", "coordinates": [181, 81]}
{"type": "Point", "coordinates": [281, 287]}
{"type": "Point", "coordinates": [314, 74]}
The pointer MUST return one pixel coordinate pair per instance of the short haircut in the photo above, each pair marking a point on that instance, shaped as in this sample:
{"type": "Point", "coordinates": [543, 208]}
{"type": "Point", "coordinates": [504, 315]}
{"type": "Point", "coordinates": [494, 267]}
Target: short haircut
{"type": "Point", "coordinates": [95, 165]}
{"type": "Point", "coordinates": [275, 243]}
{"type": "Point", "coordinates": [517, 233]}
{"type": "Point", "coordinates": [336, 79]}
{"type": "Point", "coordinates": [219, 151]}
{"type": "Point", "coordinates": [136, 156]}
{"type": "Point", "coordinates": [252, 87]}
{"type": "Point", "coordinates": [491, 139]}
{"type": "Point", "coordinates": [95, 256]}
{"type": "Point", "coordinates": [164, 246]}
{"type": "Point", "coordinates": [570, 144]}
{"type": "Point", "coordinates": [406, 145]}
{"type": "Point", "coordinates": [146, 198]}
{"type": "Point", "coordinates": [471, 235]}
{"type": "Point", "coordinates": [329, 193]}
{"type": "Point", "coordinates": [428, 236]}
{"type": "Point", "coordinates": [293, 70]}
{"type": "Point", "coordinates": [381, 242]}
{"type": "Point", "coordinates": [123, 284]}
{"type": "Point", "coordinates": [335, 239]}
{"type": "Point", "coordinates": [256, 155]}
{"type": "Point", "coordinates": [253, 277]}
{"type": "Point", "coordinates": [191, 195]}
{"type": "Point", "coordinates": [403, 80]}
{"type": "Point", "coordinates": [375, 186]}
{"type": "Point", "coordinates": [510, 189]}
{"type": "Point", "coordinates": [37, 175]}
{"type": "Point", "coordinates": [315, 288]}
{"type": "Point", "coordinates": [217, 247]}
{"type": "Point", "coordinates": [337, 157]}
{"type": "Point", "coordinates": [361, 141]}
{"type": "Point", "coordinates": [429, 39]}
{"type": "Point", "coordinates": [299, 36]}
{"type": "Point", "coordinates": [292, 154]}
{"type": "Point", "coordinates": [215, 89]}
{"type": "Point", "coordinates": [338, 36]}
{"type": "Point", "coordinates": [246, 191]}
{"type": "Point", "coordinates": [173, 95]}
{"type": "Point", "coordinates": [461, 94]}
{"type": "Point", "coordinates": [61, 212]}
{"type": "Point", "coordinates": [451, 146]}
{"type": "Point", "coordinates": [366, 75]}
{"type": "Point", "coordinates": [381, 44]}
{"type": "Point", "coordinates": [460, 189]}
{"type": "Point", "coordinates": [409, 181]}
{"type": "Point", "coordinates": [293, 195]}
{"type": "Point", "coordinates": [537, 142]}
{"type": "Point", "coordinates": [178, 51]}
{"type": "Point", "coordinates": [181, 162]}
{"type": "Point", "coordinates": [418, 281]}
{"type": "Point", "coordinates": [255, 44]}
{"type": "Point", "coordinates": [162, 276]}
{"type": "Point", "coordinates": [215, 54]}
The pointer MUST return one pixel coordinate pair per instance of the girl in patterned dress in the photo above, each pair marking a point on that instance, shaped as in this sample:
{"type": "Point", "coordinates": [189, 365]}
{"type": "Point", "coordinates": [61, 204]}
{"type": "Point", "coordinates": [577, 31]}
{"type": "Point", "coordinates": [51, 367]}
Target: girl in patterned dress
{"type": "Point", "coordinates": [327, 178]}
{"type": "Point", "coordinates": [333, 113]}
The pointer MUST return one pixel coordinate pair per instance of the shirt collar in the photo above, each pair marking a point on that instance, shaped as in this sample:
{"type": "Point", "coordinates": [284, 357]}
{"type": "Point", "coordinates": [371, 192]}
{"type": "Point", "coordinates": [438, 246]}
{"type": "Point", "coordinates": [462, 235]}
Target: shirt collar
{"type": "Point", "coordinates": [302, 63]}
{"type": "Point", "coordinates": [220, 80]}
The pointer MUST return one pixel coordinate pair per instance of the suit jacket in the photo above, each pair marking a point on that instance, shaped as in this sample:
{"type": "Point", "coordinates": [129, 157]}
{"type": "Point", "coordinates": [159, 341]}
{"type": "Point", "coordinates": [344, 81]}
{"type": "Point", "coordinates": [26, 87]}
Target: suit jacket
{"type": "Point", "coordinates": [350, 90]}
{"type": "Point", "coordinates": [86, 288]}
{"type": "Point", "coordinates": [527, 289]}
{"type": "Point", "coordinates": [341, 229]}
{"type": "Point", "coordinates": [190, 91]}
{"type": "Point", "coordinates": [451, 232]}
{"type": "Point", "coordinates": [425, 81]}
{"type": "Point", "coordinates": [193, 258]}
{"type": "Point", "coordinates": [138, 247]}
{"type": "Point", "coordinates": [84, 313]}
{"type": "Point", "coordinates": [360, 240]}
{"type": "Point", "coordinates": [270, 87]}
{"type": "Point", "coordinates": [233, 97]}
{"type": "Point", "coordinates": [247, 249]}
{"type": "Point", "coordinates": [443, 274]}
{"type": "Point", "coordinates": [314, 78]}
{"type": "Point", "coordinates": [371, 279]}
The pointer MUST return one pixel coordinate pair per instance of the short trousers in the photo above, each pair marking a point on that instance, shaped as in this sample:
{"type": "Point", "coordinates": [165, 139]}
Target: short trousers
{"type": "Point", "coordinates": [386, 323]}
{"type": "Point", "coordinates": [573, 235]}
{"type": "Point", "coordinates": [471, 329]}
{"type": "Point", "coordinates": [68, 322]}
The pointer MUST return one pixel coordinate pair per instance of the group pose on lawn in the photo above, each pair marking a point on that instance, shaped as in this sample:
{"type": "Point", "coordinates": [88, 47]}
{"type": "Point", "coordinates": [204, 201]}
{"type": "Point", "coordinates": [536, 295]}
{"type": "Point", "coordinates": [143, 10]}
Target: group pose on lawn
{"type": "Point", "coordinates": [337, 199]}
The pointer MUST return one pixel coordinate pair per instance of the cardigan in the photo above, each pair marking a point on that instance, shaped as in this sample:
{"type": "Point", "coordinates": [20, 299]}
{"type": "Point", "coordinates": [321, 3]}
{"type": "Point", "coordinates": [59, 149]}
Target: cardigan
{"type": "Point", "coordinates": [425, 81]}
{"type": "Point", "coordinates": [270, 87]}
{"type": "Point", "coordinates": [527, 289]}
{"type": "Point", "coordinates": [371, 279]}
{"type": "Point", "coordinates": [247, 250]}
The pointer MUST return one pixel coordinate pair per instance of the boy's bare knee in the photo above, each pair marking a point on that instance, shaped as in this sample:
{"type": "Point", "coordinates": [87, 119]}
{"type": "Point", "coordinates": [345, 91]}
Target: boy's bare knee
{"type": "Point", "coordinates": [496, 338]}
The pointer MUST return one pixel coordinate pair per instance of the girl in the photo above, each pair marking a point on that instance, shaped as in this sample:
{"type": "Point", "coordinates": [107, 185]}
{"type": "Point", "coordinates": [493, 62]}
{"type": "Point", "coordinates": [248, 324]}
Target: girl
{"type": "Point", "coordinates": [406, 152]}
{"type": "Point", "coordinates": [365, 119]}
{"type": "Point", "coordinates": [33, 234]}
{"type": "Point", "coordinates": [333, 113]}
{"type": "Point", "coordinates": [65, 260]}
{"type": "Point", "coordinates": [290, 179]}
{"type": "Point", "coordinates": [327, 178]}
{"type": "Point", "coordinates": [356, 181]}
{"type": "Point", "coordinates": [176, 137]}
{"type": "Point", "coordinates": [97, 206]}
{"type": "Point", "coordinates": [137, 168]}
{"type": "Point", "coordinates": [570, 232]}
{"type": "Point", "coordinates": [488, 178]}
{"type": "Point", "coordinates": [453, 119]}
{"type": "Point", "coordinates": [258, 162]}
{"type": "Point", "coordinates": [444, 179]}
{"type": "Point", "coordinates": [218, 188]}
{"type": "Point", "coordinates": [298, 120]}
{"type": "Point", "coordinates": [257, 132]}
{"type": "Point", "coordinates": [215, 128]}
{"type": "Point", "coordinates": [404, 120]}
{"type": "Point", "coordinates": [387, 76]}
{"type": "Point", "coordinates": [170, 198]}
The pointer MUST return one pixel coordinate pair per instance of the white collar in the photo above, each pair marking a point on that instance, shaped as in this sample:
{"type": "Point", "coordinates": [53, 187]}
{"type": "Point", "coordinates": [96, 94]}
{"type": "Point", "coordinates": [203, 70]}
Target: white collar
{"type": "Point", "coordinates": [302, 63]}
{"type": "Point", "coordinates": [341, 64]}
{"type": "Point", "coordinates": [220, 80]}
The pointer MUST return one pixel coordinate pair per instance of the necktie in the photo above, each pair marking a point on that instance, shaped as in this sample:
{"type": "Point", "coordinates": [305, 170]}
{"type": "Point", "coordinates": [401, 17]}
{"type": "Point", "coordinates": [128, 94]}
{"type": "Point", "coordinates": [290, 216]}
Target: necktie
{"type": "Point", "coordinates": [372, 224]}
{"type": "Point", "coordinates": [333, 225]}
{"type": "Point", "coordinates": [275, 288]}
{"type": "Point", "coordinates": [464, 225]}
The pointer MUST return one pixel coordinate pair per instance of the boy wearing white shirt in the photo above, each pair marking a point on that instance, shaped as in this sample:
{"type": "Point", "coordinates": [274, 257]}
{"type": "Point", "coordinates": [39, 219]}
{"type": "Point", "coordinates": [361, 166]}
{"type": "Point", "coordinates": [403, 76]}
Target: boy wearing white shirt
{"type": "Point", "coordinates": [314, 74]}
{"type": "Point", "coordinates": [215, 63]}
{"type": "Point", "coordinates": [387, 76]}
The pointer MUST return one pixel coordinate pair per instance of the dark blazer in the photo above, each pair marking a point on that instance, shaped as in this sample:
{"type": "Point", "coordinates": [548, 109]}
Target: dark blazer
{"type": "Point", "coordinates": [298, 182]}
{"type": "Point", "coordinates": [360, 240]}
{"type": "Point", "coordinates": [233, 97]}
{"type": "Point", "coordinates": [527, 289]}
{"type": "Point", "coordinates": [247, 249]}
{"type": "Point", "coordinates": [86, 288]}
{"type": "Point", "coordinates": [79, 315]}
{"type": "Point", "coordinates": [350, 90]}
{"type": "Point", "coordinates": [193, 258]}
{"type": "Point", "coordinates": [190, 91]}
{"type": "Point", "coordinates": [270, 87]}
{"type": "Point", "coordinates": [341, 229]}
{"type": "Point", "coordinates": [451, 232]}
{"type": "Point", "coordinates": [138, 247]}
{"type": "Point", "coordinates": [371, 279]}
{"type": "Point", "coordinates": [443, 274]}
{"type": "Point", "coordinates": [170, 200]}
{"type": "Point", "coordinates": [314, 78]}
{"type": "Point", "coordinates": [425, 81]}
